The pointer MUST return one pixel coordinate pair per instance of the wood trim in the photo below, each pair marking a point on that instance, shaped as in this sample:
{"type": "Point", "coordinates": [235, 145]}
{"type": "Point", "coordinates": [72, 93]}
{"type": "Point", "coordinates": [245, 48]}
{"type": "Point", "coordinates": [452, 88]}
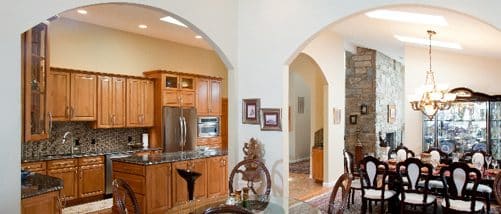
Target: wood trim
{"type": "Point", "coordinates": [157, 72]}
{"type": "Point", "coordinates": [71, 70]}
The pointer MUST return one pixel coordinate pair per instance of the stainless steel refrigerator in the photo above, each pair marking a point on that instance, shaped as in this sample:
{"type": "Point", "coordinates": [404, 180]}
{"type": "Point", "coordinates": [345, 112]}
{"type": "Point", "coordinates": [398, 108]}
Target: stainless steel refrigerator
{"type": "Point", "coordinates": [179, 129]}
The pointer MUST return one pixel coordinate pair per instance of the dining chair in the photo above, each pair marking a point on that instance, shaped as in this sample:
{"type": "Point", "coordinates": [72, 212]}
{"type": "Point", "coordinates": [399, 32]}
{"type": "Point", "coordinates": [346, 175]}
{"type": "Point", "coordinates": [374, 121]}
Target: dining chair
{"type": "Point", "coordinates": [349, 168]}
{"type": "Point", "coordinates": [478, 161]}
{"type": "Point", "coordinates": [344, 183]}
{"type": "Point", "coordinates": [226, 209]}
{"type": "Point", "coordinates": [411, 194]}
{"type": "Point", "coordinates": [401, 152]}
{"type": "Point", "coordinates": [497, 188]}
{"type": "Point", "coordinates": [436, 152]}
{"type": "Point", "coordinates": [457, 198]}
{"type": "Point", "coordinates": [251, 171]}
{"type": "Point", "coordinates": [441, 157]}
{"type": "Point", "coordinates": [373, 189]}
{"type": "Point", "coordinates": [122, 196]}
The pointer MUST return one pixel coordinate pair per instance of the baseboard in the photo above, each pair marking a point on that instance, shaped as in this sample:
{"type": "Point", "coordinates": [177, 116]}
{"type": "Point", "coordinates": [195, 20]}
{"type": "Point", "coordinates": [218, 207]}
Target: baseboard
{"type": "Point", "coordinates": [299, 160]}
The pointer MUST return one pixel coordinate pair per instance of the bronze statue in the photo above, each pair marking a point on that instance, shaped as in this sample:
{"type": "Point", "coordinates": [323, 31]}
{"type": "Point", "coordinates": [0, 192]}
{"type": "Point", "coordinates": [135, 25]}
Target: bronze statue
{"type": "Point", "coordinates": [251, 150]}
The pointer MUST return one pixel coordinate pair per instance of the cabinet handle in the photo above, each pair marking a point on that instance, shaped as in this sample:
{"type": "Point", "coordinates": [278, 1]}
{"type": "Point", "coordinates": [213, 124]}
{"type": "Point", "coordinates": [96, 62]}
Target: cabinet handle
{"type": "Point", "coordinates": [50, 123]}
{"type": "Point", "coordinates": [67, 112]}
{"type": "Point", "coordinates": [72, 112]}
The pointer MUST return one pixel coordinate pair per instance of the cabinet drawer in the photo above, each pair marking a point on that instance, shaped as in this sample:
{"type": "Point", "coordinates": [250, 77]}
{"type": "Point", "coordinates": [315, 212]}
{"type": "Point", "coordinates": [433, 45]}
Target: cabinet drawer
{"type": "Point", "coordinates": [34, 166]}
{"type": "Point", "coordinates": [202, 141]}
{"type": "Point", "coordinates": [135, 182]}
{"type": "Point", "coordinates": [56, 164]}
{"type": "Point", "coordinates": [90, 160]}
{"type": "Point", "coordinates": [128, 168]}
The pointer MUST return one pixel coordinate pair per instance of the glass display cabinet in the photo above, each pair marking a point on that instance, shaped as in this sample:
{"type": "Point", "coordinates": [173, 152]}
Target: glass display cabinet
{"type": "Point", "coordinates": [472, 123]}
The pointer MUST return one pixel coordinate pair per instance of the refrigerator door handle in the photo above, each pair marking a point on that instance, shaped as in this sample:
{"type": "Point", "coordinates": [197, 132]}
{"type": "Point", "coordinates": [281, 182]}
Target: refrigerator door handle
{"type": "Point", "coordinates": [185, 129]}
{"type": "Point", "coordinates": [181, 143]}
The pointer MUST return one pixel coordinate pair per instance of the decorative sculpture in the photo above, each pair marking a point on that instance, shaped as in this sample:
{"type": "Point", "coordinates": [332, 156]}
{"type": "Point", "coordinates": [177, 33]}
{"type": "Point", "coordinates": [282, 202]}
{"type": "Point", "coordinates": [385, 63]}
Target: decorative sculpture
{"type": "Point", "coordinates": [252, 150]}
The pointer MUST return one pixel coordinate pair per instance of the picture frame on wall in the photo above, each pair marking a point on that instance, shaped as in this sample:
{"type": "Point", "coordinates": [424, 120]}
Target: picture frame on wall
{"type": "Point", "coordinates": [250, 111]}
{"type": "Point", "coordinates": [271, 119]}
{"type": "Point", "coordinates": [363, 109]}
{"type": "Point", "coordinates": [353, 119]}
{"type": "Point", "coordinates": [392, 113]}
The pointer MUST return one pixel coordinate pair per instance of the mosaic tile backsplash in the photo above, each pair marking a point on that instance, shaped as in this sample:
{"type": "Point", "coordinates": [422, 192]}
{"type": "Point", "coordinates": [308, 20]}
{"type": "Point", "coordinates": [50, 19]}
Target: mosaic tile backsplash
{"type": "Point", "coordinates": [115, 139]}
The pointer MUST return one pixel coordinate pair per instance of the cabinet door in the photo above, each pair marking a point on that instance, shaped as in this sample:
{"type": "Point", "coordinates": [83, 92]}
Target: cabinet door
{"type": "Point", "coordinates": [216, 176]}
{"type": "Point", "coordinates": [70, 181]}
{"type": "Point", "coordinates": [83, 97]}
{"type": "Point", "coordinates": [203, 96]}
{"type": "Point", "coordinates": [159, 187]}
{"type": "Point", "coordinates": [317, 164]}
{"type": "Point", "coordinates": [118, 113]}
{"type": "Point", "coordinates": [215, 97]}
{"type": "Point", "coordinates": [200, 165]}
{"type": "Point", "coordinates": [188, 98]}
{"type": "Point", "coordinates": [91, 180]}
{"type": "Point", "coordinates": [170, 97]}
{"type": "Point", "coordinates": [147, 103]}
{"type": "Point", "coordinates": [133, 102]}
{"type": "Point", "coordinates": [45, 203]}
{"type": "Point", "coordinates": [58, 87]}
{"type": "Point", "coordinates": [179, 186]}
{"type": "Point", "coordinates": [187, 83]}
{"type": "Point", "coordinates": [104, 102]}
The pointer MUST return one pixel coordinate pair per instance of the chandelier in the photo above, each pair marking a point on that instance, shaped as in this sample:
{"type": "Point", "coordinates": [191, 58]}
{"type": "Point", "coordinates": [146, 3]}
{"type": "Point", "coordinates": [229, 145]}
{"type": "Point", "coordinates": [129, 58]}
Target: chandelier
{"type": "Point", "coordinates": [430, 98]}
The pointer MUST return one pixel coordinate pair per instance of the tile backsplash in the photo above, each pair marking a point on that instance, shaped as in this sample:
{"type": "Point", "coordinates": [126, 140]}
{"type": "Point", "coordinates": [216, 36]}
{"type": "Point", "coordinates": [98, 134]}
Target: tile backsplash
{"type": "Point", "coordinates": [114, 139]}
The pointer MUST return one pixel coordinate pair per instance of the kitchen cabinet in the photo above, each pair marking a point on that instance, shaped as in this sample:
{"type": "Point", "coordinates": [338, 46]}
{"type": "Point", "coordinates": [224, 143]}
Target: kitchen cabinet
{"type": "Point", "coordinates": [72, 95]}
{"type": "Point", "coordinates": [178, 90]}
{"type": "Point", "coordinates": [66, 170]}
{"type": "Point", "coordinates": [139, 103]}
{"type": "Point", "coordinates": [208, 96]}
{"type": "Point", "coordinates": [217, 176]}
{"type": "Point", "coordinates": [179, 185]}
{"type": "Point", "coordinates": [35, 61]}
{"type": "Point", "coordinates": [317, 163]}
{"type": "Point", "coordinates": [212, 142]}
{"type": "Point", "coordinates": [91, 176]}
{"type": "Point", "coordinates": [37, 167]}
{"type": "Point", "coordinates": [110, 102]}
{"type": "Point", "coordinates": [45, 203]}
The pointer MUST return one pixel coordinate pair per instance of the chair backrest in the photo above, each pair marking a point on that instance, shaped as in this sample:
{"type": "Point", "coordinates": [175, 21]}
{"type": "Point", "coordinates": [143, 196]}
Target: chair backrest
{"type": "Point", "coordinates": [402, 153]}
{"type": "Point", "coordinates": [435, 152]}
{"type": "Point", "coordinates": [226, 209]}
{"type": "Point", "coordinates": [497, 188]}
{"type": "Point", "coordinates": [370, 168]}
{"type": "Point", "coordinates": [455, 178]}
{"type": "Point", "coordinates": [478, 158]}
{"type": "Point", "coordinates": [413, 170]}
{"type": "Point", "coordinates": [349, 166]}
{"type": "Point", "coordinates": [124, 198]}
{"type": "Point", "coordinates": [343, 183]}
{"type": "Point", "coordinates": [251, 170]}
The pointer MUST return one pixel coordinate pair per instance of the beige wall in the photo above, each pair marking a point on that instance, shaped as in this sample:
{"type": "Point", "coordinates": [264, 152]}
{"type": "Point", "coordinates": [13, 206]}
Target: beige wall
{"type": "Point", "coordinates": [475, 72]}
{"type": "Point", "coordinates": [80, 45]}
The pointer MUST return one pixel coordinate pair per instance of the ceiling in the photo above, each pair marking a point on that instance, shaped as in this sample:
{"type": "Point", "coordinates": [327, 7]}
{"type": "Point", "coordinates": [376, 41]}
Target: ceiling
{"type": "Point", "coordinates": [127, 17]}
{"type": "Point", "coordinates": [476, 38]}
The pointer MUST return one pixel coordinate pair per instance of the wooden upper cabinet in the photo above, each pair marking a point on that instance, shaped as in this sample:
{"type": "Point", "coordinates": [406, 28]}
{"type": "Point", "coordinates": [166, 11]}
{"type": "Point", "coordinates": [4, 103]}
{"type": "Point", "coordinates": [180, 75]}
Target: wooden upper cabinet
{"type": "Point", "coordinates": [110, 102]}
{"type": "Point", "coordinates": [208, 96]}
{"type": "Point", "coordinates": [35, 62]}
{"type": "Point", "coordinates": [59, 95]}
{"type": "Point", "coordinates": [140, 104]}
{"type": "Point", "coordinates": [187, 83]}
{"type": "Point", "coordinates": [83, 97]}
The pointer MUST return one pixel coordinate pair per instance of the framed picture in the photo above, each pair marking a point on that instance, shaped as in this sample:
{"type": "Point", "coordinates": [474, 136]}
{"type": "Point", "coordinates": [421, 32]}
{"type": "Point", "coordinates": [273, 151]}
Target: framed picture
{"type": "Point", "coordinates": [392, 113]}
{"type": "Point", "coordinates": [250, 111]}
{"type": "Point", "coordinates": [363, 109]}
{"type": "Point", "coordinates": [353, 119]}
{"type": "Point", "coordinates": [271, 119]}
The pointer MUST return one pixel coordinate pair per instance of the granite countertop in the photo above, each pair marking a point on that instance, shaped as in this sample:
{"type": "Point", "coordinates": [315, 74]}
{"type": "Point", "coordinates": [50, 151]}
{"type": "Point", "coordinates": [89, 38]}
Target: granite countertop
{"type": "Point", "coordinates": [171, 157]}
{"type": "Point", "coordinates": [37, 184]}
{"type": "Point", "coordinates": [87, 154]}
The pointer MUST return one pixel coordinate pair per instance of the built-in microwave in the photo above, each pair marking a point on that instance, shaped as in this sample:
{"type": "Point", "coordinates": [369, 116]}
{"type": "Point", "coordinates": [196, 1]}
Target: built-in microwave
{"type": "Point", "coordinates": [208, 126]}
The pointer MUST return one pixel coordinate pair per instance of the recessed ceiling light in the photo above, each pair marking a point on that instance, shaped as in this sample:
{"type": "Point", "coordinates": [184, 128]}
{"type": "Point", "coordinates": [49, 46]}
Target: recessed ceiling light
{"type": "Point", "coordinates": [400, 16]}
{"type": "Point", "coordinates": [171, 20]}
{"type": "Point", "coordinates": [435, 43]}
{"type": "Point", "coordinates": [82, 11]}
{"type": "Point", "coordinates": [142, 26]}
{"type": "Point", "coordinates": [198, 37]}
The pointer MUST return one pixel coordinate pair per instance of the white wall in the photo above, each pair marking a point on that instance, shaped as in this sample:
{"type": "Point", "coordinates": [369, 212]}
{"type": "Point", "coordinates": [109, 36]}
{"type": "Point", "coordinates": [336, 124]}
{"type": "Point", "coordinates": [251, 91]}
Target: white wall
{"type": "Point", "coordinates": [481, 74]}
{"type": "Point", "coordinates": [256, 40]}
{"type": "Point", "coordinates": [84, 46]}
{"type": "Point", "coordinates": [299, 138]}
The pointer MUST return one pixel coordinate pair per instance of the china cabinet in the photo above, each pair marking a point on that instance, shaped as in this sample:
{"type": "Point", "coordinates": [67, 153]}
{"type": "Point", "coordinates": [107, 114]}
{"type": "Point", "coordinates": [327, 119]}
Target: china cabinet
{"type": "Point", "coordinates": [472, 123]}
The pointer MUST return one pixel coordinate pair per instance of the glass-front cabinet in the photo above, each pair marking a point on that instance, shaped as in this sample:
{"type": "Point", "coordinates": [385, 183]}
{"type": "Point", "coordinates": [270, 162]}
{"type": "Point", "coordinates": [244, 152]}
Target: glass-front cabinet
{"type": "Point", "coordinates": [472, 123]}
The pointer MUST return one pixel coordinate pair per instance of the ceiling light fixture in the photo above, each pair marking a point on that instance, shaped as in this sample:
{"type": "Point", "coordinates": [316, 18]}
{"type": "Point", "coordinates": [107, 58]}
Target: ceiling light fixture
{"type": "Point", "coordinates": [431, 98]}
{"type": "Point", "coordinates": [171, 20]}
{"type": "Point", "coordinates": [198, 37]}
{"type": "Point", "coordinates": [142, 26]}
{"type": "Point", "coordinates": [401, 16]}
{"type": "Point", "coordinates": [82, 11]}
{"type": "Point", "coordinates": [420, 41]}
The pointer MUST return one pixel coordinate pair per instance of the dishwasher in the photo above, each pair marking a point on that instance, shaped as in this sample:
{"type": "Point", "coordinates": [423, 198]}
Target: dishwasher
{"type": "Point", "coordinates": [109, 170]}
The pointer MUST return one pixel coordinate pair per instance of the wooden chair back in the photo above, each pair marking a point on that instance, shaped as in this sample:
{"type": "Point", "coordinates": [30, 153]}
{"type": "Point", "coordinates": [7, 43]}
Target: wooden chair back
{"type": "Point", "coordinates": [437, 152]}
{"type": "Point", "coordinates": [455, 178]}
{"type": "Point", "coordinates": [226, 209]}
{"type": "Point", "coordinates": [343, 183]}
{"type": "Point", "coordinates": [370, 169]}
{"type": "Point", "coordinates": [251, 176]}
{"type": "Point", "coordinates": [124, 198]}
{"type": "Point", "coordinates": [349, 165]}
{"type": "Point", "coordinates": [413, 170]}
{"type": "Point", "coordinates": [401, 152]}
{"type": "Point", "coordinates": [497, 188]}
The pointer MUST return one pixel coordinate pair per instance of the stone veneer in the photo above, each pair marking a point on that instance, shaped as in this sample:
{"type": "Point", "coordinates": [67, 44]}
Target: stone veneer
{"type": "Point", "coordinates": [375, 80]}
{"type": "Point", "coordinates": [106, 139]}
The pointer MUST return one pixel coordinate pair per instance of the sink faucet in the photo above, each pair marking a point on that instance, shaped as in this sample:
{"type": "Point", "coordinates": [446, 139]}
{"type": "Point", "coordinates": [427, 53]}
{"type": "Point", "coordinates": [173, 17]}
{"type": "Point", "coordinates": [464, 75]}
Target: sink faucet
{"type": "Point", "coordinates": [65, 138]}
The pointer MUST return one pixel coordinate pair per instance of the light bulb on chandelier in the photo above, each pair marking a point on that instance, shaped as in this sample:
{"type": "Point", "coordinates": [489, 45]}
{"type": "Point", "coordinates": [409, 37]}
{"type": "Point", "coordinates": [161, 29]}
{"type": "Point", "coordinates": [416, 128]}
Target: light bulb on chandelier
{"type": "Point", "coordinates": [430, 98]}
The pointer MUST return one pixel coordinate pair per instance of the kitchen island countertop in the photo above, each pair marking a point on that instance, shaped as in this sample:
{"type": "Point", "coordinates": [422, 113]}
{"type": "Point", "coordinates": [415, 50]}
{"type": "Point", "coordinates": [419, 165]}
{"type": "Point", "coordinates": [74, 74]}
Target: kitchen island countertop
{"type": "Point", "coordinates": [37, 184]}
{"type": "Point", "coordinates": [169, 157]}
{"type": "Point", "coordinates": [87, 154]}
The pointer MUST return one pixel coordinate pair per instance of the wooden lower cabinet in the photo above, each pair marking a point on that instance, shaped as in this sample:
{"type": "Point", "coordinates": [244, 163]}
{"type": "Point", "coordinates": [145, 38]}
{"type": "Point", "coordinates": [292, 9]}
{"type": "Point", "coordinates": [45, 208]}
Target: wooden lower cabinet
{"type": "Point", "coordinates": [46, 203]}
{"type": "Point", "coordinates": [67, 171]}
{"type": "Point", "coordinates": [217, 176]}
{"type": "Point", "coordinates": [91, 181]}
{"type": "Point", "coordinates": [179, 185]}
{"type": "Point", "coordinates": [37, 167]}
{"type": "Point", "coordinates": [317, 164]}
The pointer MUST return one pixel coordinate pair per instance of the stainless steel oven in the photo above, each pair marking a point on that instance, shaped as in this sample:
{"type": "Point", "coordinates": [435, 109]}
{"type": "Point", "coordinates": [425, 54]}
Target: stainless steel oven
{"type": "Point", "coordinates": [208, 126]}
